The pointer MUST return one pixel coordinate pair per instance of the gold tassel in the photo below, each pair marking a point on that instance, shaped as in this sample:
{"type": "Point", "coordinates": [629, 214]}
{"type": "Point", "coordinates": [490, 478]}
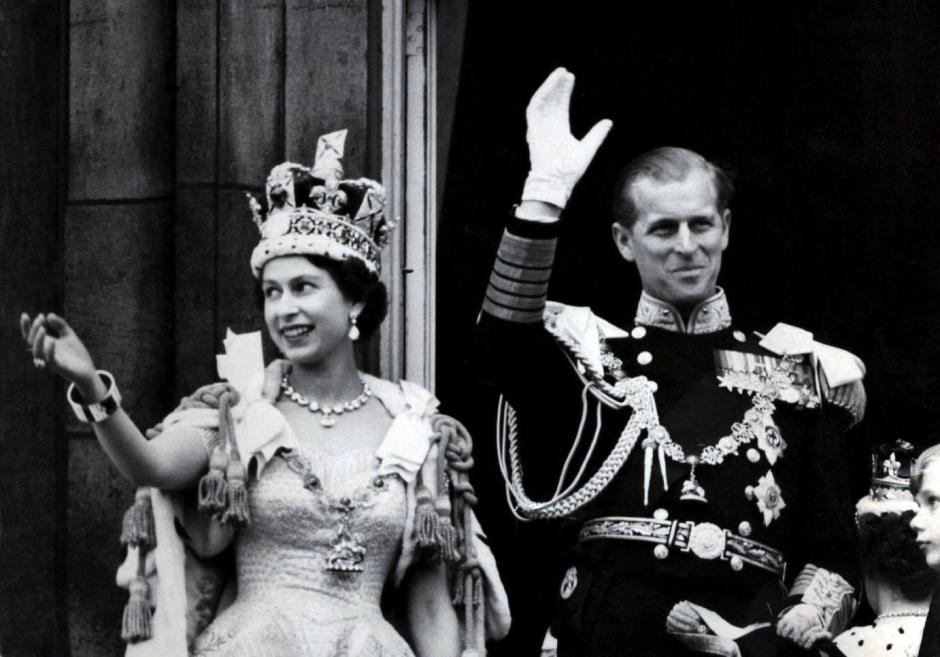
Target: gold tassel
{"type": "Point", "coordinates": [138, 529]}
{"type": "Point", "coordinates": [460, 586]}
{"type": "Point", "coordinates": [447, 540]}
{"type": "Point", "coordinates": [136, 624]}
{"type": "Point", "coordinates": [236, 512]}
{"type": "Point", "coordinates": [426, 519]}
{"type": "Point", "coordinates": [477, 588]}
{"type": "Point", "coordinates": [212, 486]}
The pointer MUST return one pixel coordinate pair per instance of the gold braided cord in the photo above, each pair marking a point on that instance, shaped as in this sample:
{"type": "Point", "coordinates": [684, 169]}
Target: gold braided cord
{"type": "Point", "coordinates": [633, 392]}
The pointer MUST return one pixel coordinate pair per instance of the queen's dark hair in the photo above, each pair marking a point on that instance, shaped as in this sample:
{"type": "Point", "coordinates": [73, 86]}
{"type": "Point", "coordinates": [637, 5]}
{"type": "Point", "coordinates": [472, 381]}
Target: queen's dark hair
{"type": "Point", "coordinates": [357, 283]}
{"type": "Point", "coordinates": [888, 550]}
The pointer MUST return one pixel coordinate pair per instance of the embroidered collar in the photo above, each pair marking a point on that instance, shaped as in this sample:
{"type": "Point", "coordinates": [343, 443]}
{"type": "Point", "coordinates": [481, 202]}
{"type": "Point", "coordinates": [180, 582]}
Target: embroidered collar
{"type": "Point", "coordinates": [709, 316]}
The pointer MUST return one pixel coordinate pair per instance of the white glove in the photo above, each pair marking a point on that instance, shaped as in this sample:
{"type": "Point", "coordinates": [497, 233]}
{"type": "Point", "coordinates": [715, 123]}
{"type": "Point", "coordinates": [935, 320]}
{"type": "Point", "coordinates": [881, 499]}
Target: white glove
{"type": "Point", "coordinates": [557, 159]}
{"type": "Point", "coordinates": [684, 619]}
{"type": "Point", "coordinates": [802, 625]}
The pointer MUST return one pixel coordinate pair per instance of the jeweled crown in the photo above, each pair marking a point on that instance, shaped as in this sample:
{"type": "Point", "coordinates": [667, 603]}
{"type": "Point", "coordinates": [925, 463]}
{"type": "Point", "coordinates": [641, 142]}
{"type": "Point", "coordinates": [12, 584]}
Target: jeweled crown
{"type": "Point", "coordinates": [313, 211]}
{"type": "Point", "coordinates": [890, 480]}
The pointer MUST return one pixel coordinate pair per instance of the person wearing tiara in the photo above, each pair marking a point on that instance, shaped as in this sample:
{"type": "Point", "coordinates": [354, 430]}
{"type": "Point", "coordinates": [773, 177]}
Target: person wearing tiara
{"type": "Point", "coordinates": [898, 581]}
{"type": "Point", "coordinates": [326, 482]}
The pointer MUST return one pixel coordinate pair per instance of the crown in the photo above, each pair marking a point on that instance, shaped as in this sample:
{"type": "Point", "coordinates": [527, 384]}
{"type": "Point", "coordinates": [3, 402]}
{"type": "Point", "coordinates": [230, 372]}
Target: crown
{"type": "Point", "coordinates": [313, 211]}
{"type": "Point", "coordinates": [890, 480]}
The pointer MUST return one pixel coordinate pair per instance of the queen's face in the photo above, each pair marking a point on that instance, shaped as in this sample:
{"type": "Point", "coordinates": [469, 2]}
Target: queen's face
{"type": "Point", "coordinates": [306, 313]}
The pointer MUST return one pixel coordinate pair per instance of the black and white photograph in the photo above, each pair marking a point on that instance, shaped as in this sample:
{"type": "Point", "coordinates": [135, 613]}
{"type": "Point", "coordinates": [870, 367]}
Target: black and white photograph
{"type": "Point", "coordinates": [451, 328]}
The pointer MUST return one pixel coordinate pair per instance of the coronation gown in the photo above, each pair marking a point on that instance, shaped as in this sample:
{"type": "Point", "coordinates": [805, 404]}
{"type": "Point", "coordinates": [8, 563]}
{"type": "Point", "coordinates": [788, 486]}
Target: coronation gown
{"type": "Point", "coordinates": [289, 603]}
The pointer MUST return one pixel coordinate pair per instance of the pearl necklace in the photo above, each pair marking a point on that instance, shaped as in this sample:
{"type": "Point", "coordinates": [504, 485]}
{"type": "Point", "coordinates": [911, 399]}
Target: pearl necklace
{"type": "Point", "coordinates": [901, 614]}
{"type": "Point", "coordinates": [328, 412]}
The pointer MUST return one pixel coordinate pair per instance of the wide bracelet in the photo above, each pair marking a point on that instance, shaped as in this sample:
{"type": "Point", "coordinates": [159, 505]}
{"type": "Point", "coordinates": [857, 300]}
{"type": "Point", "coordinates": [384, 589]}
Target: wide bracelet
{"type": "Point", "coordinates": [93, 413]}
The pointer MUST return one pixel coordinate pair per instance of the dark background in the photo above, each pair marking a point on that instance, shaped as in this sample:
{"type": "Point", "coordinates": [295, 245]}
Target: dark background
{"type": "Point", "coordinates": [827, 114]}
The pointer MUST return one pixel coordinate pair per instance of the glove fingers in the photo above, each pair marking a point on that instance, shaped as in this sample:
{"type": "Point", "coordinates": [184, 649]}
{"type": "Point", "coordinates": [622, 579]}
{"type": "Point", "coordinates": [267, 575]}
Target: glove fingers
{"type": "Point", "coordinates": [556, 89]}
{"type": "Point", "coordinates": [595, 137]}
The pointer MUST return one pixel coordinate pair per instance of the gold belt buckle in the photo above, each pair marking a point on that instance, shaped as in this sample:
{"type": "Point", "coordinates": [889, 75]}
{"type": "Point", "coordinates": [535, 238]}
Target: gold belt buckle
{"type": "Point", "coordinates": [707, 541]}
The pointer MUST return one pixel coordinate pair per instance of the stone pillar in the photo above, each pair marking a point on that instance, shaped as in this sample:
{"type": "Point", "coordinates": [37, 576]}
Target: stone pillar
{"type": "Point", "coordinates": [118, 272]}
{"type": "Point", "coordinates": [32, 457]}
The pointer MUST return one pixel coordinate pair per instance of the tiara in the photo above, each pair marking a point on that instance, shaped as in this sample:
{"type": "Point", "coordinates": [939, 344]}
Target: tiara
{"type": "Point", "coordinates": [313, 211]}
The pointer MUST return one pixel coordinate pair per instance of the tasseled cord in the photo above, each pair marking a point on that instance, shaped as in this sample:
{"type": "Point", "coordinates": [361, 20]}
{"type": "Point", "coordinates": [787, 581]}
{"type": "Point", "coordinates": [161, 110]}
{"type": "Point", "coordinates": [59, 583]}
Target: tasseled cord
{"type": "Point", "coordinates": [426, 521]}
{"type": "Point", "coordinates": [138, 531]}
{"type": "Point", "coordinates": [223, 489]}
{"type": "Point", "coordinates": [137, 624]}
{"type": "Point", "coordinates": [456, 541]}
{"type": "Point", "coordinates": [447, 537]}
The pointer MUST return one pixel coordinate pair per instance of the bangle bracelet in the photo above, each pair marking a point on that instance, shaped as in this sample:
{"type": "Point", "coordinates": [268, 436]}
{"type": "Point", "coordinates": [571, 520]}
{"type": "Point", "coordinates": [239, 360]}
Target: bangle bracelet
{"type": "Point", "coordinates": [94, 413]}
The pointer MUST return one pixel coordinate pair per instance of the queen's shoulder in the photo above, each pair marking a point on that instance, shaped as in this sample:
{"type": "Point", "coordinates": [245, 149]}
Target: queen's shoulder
{"type": "Point", "coordinates": [399, 396]}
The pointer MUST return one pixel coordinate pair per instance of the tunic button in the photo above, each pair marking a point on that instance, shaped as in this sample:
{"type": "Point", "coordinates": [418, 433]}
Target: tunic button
{"type": "Point", "coordinates": [638, 332]}
{"type": "Point", "coordinates": [660, 514]}
{"type": "Point", "coordinates": [739, 336]}
{"type": "Point", "coordinates": [644, 358]}
{"type": "Point", "coordinates": [660, 551]}
{"type": "Point", "coordinates": [753, 455]}
{"type": "Point", "coordinates": [744, 529]}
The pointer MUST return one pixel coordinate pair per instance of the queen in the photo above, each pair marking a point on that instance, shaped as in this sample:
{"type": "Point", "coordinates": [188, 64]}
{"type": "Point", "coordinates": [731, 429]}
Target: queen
{"type": "Point", "coordinates": [334, 490]}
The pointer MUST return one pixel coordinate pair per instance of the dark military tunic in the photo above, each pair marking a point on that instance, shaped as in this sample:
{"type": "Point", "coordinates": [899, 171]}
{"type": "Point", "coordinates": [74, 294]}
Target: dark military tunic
{"type": "Point", "coordinates": [614, 595]}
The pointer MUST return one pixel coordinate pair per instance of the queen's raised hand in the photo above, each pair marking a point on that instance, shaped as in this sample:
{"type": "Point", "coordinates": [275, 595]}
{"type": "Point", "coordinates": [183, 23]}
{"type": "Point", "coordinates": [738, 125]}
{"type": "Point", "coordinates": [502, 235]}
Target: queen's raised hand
{"type": "Point", "coordinates": [55, 346]}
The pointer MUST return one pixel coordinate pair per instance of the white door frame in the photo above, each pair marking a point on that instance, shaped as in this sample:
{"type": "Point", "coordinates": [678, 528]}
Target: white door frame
{"type": "Point", "coordinates": [409, 166]}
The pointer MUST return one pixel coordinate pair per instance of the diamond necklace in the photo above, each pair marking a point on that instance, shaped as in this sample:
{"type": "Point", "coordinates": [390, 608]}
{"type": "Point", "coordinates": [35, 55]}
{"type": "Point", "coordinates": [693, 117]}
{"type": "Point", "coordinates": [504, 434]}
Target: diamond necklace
{"type": "Point", "coordinates": [328, 412]}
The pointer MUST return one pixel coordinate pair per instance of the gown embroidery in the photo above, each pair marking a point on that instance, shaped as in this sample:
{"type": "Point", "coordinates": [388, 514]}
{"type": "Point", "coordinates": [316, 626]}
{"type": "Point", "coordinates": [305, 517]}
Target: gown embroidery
{"type": "Point", "coordinates": [289, 603]}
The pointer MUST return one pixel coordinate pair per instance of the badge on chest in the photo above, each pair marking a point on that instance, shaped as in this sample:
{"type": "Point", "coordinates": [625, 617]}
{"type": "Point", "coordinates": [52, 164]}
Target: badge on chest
{"type": "Point", "coordinates": [746, 372]}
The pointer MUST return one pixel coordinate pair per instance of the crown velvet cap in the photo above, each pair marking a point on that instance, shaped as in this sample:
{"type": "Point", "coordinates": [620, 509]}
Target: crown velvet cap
{"type": "Point", "coordinates": [313, 211]}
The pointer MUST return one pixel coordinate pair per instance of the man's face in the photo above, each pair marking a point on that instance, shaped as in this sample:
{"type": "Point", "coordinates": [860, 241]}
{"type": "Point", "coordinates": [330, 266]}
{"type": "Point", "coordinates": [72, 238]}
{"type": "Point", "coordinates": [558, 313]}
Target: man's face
{"type": "Point", "coordinates": [927, 521]}
{"type": "Point", "coordinates": [677, 239]}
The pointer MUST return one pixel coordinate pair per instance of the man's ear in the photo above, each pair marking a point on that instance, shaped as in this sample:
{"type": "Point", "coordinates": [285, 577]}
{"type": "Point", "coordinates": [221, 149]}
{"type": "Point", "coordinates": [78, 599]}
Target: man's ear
{"type": "Point", "coordinates": [623, 239]}
{"type": "Point", "coordinates": [726, 228]}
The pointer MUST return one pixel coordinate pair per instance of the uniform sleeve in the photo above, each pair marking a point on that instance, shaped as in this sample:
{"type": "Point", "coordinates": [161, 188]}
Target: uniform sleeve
{"type": "Point", "coordinates": [515, 353]}
{"type": "Point", "coordinates": [826, 568]}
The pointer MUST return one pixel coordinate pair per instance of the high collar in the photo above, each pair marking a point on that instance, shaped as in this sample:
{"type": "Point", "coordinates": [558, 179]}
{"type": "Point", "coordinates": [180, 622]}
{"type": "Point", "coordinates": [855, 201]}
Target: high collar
{"type": "Point", "coordinates": [709, 316]}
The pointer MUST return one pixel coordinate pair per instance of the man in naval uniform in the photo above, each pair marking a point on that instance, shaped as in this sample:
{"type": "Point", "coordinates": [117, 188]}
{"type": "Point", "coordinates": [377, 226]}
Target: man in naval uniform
{"type": "Point", "coordinates": [701, 465]}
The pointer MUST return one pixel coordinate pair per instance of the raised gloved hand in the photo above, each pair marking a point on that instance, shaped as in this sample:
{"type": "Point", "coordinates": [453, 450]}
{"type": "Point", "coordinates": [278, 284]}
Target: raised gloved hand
{"type": "Point", "coordinates": [557, 159]}
{"type": "Point", "coordinates": [802, 625]}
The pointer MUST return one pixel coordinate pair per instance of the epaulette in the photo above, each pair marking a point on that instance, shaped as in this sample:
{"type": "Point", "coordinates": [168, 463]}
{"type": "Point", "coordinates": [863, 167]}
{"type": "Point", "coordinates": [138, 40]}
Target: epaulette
{"type": "Point", "coordinates": [839, 373]}
{"type": "Point", "coordinates": [580, 332]}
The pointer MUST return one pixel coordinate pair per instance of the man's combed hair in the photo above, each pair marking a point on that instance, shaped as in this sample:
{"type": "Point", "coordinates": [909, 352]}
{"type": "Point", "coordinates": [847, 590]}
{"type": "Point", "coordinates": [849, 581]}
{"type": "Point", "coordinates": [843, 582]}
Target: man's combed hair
{"type": "Point", "coordinates": [665, 164]}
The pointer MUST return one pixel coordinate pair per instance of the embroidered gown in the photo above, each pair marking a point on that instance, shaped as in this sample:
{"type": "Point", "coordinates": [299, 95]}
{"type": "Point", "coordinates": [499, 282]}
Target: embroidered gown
{"type": "Point", "coordinates": [289, 603]}
{"type": "Point", "coordinates": [326, 534]}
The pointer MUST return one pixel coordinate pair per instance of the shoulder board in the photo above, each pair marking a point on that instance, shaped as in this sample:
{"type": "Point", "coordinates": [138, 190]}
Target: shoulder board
{"type": "Point", "coordinates": [579, 331]}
